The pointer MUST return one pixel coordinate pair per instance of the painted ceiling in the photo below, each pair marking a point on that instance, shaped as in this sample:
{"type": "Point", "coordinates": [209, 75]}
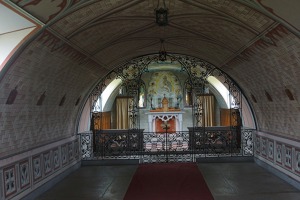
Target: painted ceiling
{"type": "Point", "coordinates": [111, 32]}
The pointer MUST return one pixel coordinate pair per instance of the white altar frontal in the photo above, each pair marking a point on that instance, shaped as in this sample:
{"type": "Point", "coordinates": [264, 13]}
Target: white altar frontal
{"type": "Point", "coordinates": [164, 117]}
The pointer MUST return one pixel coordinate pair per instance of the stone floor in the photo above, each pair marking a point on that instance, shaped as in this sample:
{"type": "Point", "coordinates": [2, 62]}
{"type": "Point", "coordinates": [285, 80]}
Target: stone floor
{"type": "Point", "coordinates": [246, 181]}
{"type": "Point", "coordinates": [227, 181]}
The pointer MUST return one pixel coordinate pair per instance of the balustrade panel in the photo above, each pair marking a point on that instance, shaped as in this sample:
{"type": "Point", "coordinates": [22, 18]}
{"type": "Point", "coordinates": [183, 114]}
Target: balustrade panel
{"type": "Point", "coordinates": [182, 146]}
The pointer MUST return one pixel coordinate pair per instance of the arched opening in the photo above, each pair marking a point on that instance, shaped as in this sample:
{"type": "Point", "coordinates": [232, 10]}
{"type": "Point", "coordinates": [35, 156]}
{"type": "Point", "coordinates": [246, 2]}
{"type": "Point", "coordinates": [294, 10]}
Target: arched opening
{"type": "Point", "coordinates": [183, 106]}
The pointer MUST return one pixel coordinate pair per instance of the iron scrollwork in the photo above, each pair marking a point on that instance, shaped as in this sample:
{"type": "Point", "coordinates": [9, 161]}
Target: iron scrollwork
{"type": "Point", "coordinates": [118, 143]}
{"type": "Point", "coordinates": [86, 145]}
{"type": "Point", "coordinates": [185, 146]}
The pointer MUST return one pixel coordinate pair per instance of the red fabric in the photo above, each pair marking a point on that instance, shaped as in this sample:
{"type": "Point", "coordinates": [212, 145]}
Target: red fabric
{"type": "Point", "coordinates": [159, 126]}
{"type": "Point", "coordinates": [168, 181]}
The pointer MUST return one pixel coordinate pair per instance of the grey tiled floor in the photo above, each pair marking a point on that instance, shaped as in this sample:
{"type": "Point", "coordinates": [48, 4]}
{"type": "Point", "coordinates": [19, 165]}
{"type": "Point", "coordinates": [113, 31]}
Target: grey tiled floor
{"type": "Point", "coordinates": [246, 181]}
{"type": "Point", "coordinates": [227, 181]}
{"type": "Point", "coordinates": [93, 182]}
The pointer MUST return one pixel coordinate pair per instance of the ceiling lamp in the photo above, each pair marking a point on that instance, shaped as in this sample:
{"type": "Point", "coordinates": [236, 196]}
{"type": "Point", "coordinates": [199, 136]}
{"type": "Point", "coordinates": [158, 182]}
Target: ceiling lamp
{"type": "Point", "coordinates": [162, 54]}
{"type": "Point", "coordinates": [161, 14]}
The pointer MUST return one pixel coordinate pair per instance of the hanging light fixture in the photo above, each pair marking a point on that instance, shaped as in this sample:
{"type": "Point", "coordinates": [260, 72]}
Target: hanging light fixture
{"type": "Point", "coordinates": [162, 54]}
{"type": "Point", "coordinates": [161, 14]}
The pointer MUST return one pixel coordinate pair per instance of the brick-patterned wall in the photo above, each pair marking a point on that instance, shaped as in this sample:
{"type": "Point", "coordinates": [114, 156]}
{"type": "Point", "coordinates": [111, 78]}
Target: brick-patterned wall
{"type": "Point", "coordinates": [281, 153]}
{"type": "Point", "coordinates": [54, 69]}
{"type": "Point", "coordinates": [272, 68]}
{"type": "Point", "coordinates": [23, 173]}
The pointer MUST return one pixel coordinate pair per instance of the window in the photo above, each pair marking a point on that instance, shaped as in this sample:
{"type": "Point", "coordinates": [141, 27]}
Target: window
{"type": "Point", "coordinates": [142, 95]}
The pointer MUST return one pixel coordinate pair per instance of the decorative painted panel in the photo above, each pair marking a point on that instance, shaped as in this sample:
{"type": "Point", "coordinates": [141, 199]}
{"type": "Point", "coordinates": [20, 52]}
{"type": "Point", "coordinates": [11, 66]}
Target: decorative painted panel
{"type": "Point", "coordinates": [297, 161]}
{"type": "Point", "coordinates": [76, 149]}
{"type": "Point", "coordinates": [271, 149]}
{"type": "Point", "coordinates": [70, 151]}
{"type": "Point", "coordinates": [288, 157]}
{"type": "Point", "coordinates": [264, 147]}
{"type": "Point", "coordinates": [10, 183]}
{"type": "Point", "coordinates": [36, 8]}
{"type": "Point", "coordinates": [56, 159]}
{"type": "Point", "coordinates": [282, 153]}
{"type": "Point", "coordinates": [27, 173]}
{"type": "Point", "coordinates": [24, 174]}
{"type": "Point", "coordinates": [279, 153]}
{"type": "Point", "coordinates": [37, 168]}
{"type": "Point", "coordinates": [164, 84]}
{"type": "Point", "coordinates": [64, 154]}
{"type": "Point", "coordinates": [47, 163]}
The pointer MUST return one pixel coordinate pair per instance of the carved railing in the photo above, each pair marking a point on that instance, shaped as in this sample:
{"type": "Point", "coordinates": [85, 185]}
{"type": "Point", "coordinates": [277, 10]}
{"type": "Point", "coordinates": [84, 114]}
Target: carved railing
{"type": "Point", "coordinates": [164, 147]}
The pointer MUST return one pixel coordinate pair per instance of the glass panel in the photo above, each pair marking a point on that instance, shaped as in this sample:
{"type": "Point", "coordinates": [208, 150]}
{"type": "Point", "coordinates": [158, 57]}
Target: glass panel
{"type": "Point", "coordinates": [142, 96]}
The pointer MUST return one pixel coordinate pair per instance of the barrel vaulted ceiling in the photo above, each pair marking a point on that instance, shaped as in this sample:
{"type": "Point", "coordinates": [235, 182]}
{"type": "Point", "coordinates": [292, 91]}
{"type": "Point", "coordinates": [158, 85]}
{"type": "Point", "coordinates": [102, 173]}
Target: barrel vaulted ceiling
{"type": "Point", "coordinates": [78, 42]}
{"type": "Point", "coordinates": [111, 32]}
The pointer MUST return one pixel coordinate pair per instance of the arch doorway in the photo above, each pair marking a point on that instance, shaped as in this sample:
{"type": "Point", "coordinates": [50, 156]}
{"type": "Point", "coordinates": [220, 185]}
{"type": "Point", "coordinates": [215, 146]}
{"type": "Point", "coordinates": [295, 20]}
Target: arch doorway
{"type": "Point", "coordinates": [179, 109]}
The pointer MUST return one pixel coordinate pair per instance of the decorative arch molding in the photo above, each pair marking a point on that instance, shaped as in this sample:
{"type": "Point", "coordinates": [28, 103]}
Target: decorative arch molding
{"type": "Point", "coordinates": [198, 71]}
{"type": "Point", "coordinates": [192, 127]}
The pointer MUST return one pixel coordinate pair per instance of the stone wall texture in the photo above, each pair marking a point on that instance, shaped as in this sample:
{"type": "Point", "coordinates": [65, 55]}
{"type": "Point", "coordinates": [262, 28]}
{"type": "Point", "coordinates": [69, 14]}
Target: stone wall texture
{"type": "Point", "coordinates": [272, 68]}
{"type": "Point", "coordinates": [36, 71]}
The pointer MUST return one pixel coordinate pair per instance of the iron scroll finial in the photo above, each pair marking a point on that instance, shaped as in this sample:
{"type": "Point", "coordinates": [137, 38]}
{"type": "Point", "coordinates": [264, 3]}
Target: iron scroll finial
{"type": "Point", "coordinates": [162, 54]}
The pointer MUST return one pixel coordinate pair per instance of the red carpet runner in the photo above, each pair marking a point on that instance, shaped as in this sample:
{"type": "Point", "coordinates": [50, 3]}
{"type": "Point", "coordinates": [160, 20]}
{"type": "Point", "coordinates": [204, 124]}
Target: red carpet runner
{"type": "Point", "coordinates": [168, 181]}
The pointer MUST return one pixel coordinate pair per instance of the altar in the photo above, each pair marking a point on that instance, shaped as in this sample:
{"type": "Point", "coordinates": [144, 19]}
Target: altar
{"type": "Point", "coordinates": [171, 119]}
